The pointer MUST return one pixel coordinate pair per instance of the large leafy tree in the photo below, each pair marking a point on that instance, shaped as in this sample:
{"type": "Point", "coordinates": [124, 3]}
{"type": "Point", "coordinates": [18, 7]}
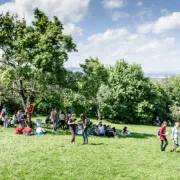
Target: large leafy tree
{"type": "Point", "coordinates": [129, 95]}
{"type": "Point", "coordinates": [94, 74]}
{"type": "Point", "coordinates": [171, 87]}
{"type": "Point", "coordinates": [33, 55]}
{"type": "Point", "coordinates": [161, 102]}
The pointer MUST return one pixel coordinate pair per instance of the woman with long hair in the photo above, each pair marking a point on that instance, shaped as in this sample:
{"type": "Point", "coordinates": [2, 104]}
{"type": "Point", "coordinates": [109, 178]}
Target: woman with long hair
{"type": "Point", "coordinates": [85, 128]}
{"type": "Point", "coordinates": [72, 127]}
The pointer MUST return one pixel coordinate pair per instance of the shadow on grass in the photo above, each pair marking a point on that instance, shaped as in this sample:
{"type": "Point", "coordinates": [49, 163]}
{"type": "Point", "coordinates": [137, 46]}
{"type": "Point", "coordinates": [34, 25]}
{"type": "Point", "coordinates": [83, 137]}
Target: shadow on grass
{"type": "Point", "coordinates": [140, 135]}
{"type": "Point", "coordinates": [57, 133]}
{"type": "Point", "coordinates": [96, 144]}
{"type": "Point", "coordinates": [176, 152]}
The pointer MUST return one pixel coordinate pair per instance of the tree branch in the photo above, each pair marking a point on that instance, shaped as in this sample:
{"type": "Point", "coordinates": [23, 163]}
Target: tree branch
{"type": "Point", "coordinates": [8, 63]}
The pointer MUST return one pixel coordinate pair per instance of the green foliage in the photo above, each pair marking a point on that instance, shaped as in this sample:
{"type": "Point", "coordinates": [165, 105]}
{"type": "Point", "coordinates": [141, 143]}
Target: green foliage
{"type": "Point", "coordinates": [161, 102]}
{"type": "Point", "coordinates": [94, 75]}
{"type": "Point", "coordinates": [33, 56]}
{"type": "Point", "coordinates": [128, 96]}
{"type": "Point", "coordinates": [175, 113]}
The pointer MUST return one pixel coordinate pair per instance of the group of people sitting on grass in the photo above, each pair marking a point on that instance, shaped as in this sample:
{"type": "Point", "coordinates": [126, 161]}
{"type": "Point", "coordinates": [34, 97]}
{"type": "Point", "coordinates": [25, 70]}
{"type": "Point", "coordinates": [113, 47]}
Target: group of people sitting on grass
{"type": "Point", "coordinates": [28, 130]}
{"type": "Point", "coordinates": [99, 130]}
{"type": "Point", "coordinates": [60, 120]}
{"type": "Point", "coordinates": [103, 130]}
{"type": "Point", "coordinates": [19, 117]}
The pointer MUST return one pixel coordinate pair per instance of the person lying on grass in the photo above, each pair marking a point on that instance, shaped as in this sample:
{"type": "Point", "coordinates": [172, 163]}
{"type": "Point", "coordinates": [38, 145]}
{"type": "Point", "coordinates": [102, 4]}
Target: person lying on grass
{"type": "Point", "coordinates": [19, 130]}
{"type": "Point", "coordinates": [125, 132]}
{"type": "Point", "coordinates": [27, 131]}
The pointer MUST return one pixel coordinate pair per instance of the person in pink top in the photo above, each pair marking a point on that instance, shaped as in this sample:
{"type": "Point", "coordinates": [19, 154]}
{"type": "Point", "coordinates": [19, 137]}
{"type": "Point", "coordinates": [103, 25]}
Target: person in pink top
{"type": "Point", "coordinates": [163, 136]}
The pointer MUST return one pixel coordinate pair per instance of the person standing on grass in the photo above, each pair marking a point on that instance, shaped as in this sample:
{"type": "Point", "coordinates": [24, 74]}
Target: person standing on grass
{"type": "Point", "coordinates": [163, 136]}
{"type": "Point", "coordinates": [62, 118]}
{"type": "Point", "coordinates": [54, 119]}
{"type": "Point", "coordinates": [72, 127]}
{"type": "Point", "coordinates": [85, 128]}
{"type": "Point", "coordinates": [4, 117]}
{"type": "Point", "coordinates": [175, 136]}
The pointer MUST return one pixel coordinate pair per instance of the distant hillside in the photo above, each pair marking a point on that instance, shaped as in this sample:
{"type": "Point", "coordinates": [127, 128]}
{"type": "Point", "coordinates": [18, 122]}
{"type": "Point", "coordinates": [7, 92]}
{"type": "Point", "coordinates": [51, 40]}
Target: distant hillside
{"type": "Point", "coordinates": [74, 69]}
{"type": "Point", "coordinates": [153, 75]}
{"type": "Point", "coordinates": [162, 74]}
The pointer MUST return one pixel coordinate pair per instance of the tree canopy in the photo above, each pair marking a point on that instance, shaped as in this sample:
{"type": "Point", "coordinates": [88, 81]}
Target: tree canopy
{"type": "Point", "coordinates": [33, 55]}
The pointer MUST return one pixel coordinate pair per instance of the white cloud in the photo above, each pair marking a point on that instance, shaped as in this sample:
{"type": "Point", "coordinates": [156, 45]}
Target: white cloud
{"type": "Point", "coordinates": [139, 4]}
{"type": "Point", "coordinates": [75, 31]}
{"type": "Point", "coordinates": [119, 15]}
{"type": "Point", "coordinates": [67, 11]}
{"type": "Point", "coordinates": [145, 28]}
{"type": "Point", "coordinates": [156, 44]}
{"type": "Point", "coordinates": [145, 14]}
{"type": "Point", "coordinates": [113, 4]}
{"type": "Point", "coordinates": [165, 12]}
{"type": "Point", "coordinates": [115, 44]}
{"type": "Point", "coordinates": [162, 25]}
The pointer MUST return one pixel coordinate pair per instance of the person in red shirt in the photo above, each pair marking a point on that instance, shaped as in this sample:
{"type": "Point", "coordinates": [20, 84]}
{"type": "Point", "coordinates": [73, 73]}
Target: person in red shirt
{"type": "Point", "coordinates": [19, 130]}
{"type": "Point", "coordinates": [163, 136]}
{"type": "Point", "coordinates": [27, 131]}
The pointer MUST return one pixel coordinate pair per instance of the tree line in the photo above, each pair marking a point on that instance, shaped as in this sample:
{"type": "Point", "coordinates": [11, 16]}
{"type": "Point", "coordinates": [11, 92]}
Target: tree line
{"type": "Point", "coordinates": [32, 69]}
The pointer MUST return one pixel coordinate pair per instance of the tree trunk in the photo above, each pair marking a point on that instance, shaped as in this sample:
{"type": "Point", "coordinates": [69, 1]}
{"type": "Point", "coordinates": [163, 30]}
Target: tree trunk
{"type": "Point", "coordinates": [23, 99]}
{"type": "Point", "coordinates": [99, 114]}
{"type": "Point", "coordinates": [99, 111]}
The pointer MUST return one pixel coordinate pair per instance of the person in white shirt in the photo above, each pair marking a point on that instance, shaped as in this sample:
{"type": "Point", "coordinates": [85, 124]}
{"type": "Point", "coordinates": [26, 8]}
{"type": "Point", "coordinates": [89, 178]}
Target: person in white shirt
{"type": "Point", "coordinates": [40, 131]}
{"type": "Point", "coordinates": [101, 130]}
{"type": "Point", "coordinates": [175, 136]}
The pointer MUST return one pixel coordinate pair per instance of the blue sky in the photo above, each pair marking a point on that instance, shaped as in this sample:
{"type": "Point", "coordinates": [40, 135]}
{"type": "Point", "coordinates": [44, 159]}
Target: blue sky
{"type": "Point", "coordinates": [141, 31]}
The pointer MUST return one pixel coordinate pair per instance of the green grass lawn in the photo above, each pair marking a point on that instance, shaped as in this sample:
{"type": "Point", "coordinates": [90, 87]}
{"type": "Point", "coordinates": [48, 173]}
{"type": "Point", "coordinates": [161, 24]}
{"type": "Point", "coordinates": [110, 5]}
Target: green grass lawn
{"type": "Point", "coordinates": [53, 157]}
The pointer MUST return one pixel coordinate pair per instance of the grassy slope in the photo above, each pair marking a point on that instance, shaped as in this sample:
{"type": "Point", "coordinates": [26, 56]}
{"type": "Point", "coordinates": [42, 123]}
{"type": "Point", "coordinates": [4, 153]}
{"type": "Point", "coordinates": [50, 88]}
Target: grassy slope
{"type": "Point", "coordinates": [53, 157]}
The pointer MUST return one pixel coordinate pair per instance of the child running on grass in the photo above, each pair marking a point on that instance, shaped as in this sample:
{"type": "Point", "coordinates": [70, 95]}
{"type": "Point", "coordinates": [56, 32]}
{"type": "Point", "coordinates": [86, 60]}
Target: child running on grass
{"type": "Point", "coordinates": [175, 135]}
{"type": "Point", "coordinates": [163, 136]}
{"type": "Point", "coordinates": [72, 127]}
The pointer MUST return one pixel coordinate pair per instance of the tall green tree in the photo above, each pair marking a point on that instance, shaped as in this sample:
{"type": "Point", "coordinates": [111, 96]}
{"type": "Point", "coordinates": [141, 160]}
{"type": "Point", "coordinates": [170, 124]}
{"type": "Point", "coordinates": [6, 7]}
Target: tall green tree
{"type": "Point", "coordinates": [34, 55]}
{"type": "Point", "coordinates": [129, 95]}
{"type": "Point", "coordinates": [94, 74]}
